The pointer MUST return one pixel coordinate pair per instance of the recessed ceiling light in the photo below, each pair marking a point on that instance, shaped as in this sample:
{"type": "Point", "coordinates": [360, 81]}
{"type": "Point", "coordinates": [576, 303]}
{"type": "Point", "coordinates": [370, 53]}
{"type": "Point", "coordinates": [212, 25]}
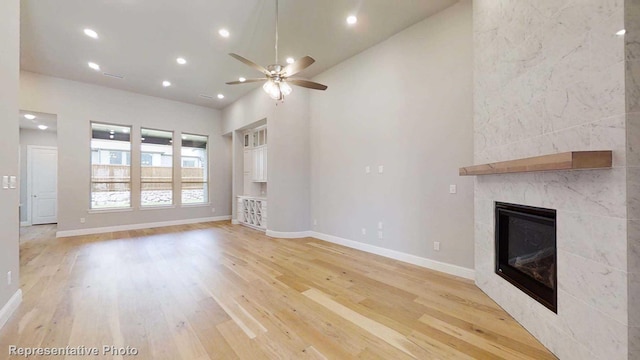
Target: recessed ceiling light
{"type": "Point", "coordinates": [351, 20]}
{"type": "Point", "coordinates": [166, 83]}
{"type": "Point", "coordinates": [242, 79]}
{"type": "Point", "coordinates": [94, 66]}
{"type": "Point", "coordinates": [90, 33]}
{"type": "Point", "coordinates": [224, 33]}
{"type": "Point", "coordinates": [181, 61]}
{"type": "Point", "coordinates": [290, 60]}
{"type": "Point", "coordinates": [220, 96]}
{"type": "Point", "coordinates": [29, 116]}
{"type": "Point", "coordinates": [621, 32]}
{"type": "Point", "coordinates": [43, 127]}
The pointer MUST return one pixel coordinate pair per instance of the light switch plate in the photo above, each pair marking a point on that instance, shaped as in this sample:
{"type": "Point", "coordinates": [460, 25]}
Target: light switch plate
{"type": "Point", "coordinates": [13, 182]}
{"type": "Point", "coordinates": [380, 169]}
{"type": "Point", "coordinates": [5, 182]}
{"type": "Point", "coordinates": [367, 169]}
{"type": "Point", "coordinates": [453, 189]}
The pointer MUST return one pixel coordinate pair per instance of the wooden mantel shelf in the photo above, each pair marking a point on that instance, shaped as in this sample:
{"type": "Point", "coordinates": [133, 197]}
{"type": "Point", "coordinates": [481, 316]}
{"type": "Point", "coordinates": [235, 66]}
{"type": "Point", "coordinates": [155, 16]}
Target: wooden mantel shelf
{"type": "Point", "coordinates": [573, 160]}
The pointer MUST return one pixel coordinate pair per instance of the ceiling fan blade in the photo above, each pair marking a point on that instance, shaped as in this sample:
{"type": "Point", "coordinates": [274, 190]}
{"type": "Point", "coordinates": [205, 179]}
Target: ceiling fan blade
{"type": "Point", "coordinates": [246, 81]}
{"type": "Point", "coordinates": [249, 62]}
{"type": "Point", "coordinates": [307, 84]}
{"type": "Point", "coordinates": [298, 66]}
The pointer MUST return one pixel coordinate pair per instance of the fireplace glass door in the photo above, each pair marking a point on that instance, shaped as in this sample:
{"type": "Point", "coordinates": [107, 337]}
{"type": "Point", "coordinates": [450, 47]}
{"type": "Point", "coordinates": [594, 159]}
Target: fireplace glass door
{"type": "Point", "coordinates": [526, 250]}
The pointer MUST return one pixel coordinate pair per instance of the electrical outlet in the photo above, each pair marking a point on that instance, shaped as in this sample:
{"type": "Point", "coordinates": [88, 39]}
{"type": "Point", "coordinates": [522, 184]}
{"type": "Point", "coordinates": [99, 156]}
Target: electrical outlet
{"type": "Point", "coordinates": [453, 189]}
{"type": "Point", "coordinates": [213, 210]}
{"type": "Point", "coordinates": [9, 278]}
{"type": "Point", "coordinates": [380, 225]}
{"type": "Point", "coordinates": [364, 231]}
{"type": "Point", "coordinates": [380, 169]}
{"type": "Point", "coordinates": [379, 234]}
{"type": "Point", "coordinates": [436, 245]}
{"type": "Point", "coordinates": [82, 220]}
{"type": "Point", "coordinates": [315, 222]}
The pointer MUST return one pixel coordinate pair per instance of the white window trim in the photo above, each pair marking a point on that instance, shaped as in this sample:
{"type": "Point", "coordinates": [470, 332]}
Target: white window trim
{"type": "Point", "coordinates": [189, 205]}
{"type": "Point", "coordinates": [156, 207]}
{"type": "Point", "coordinates": [109, 210]}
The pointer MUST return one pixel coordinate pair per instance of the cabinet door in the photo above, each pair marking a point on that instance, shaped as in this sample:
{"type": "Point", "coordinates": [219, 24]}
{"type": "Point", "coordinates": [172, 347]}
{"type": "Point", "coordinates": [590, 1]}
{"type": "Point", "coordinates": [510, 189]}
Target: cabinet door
{"type": "Point", "coordinates": [261, 164]}
{"type": "Point", "coordinates": [256, 165]}
{"type": "Point", "coordinates": [264, 164]}
{"type": "Point", "coordinates": [247, 161]}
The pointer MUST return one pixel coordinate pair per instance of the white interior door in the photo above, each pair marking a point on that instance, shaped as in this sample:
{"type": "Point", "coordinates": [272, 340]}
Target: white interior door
{"type": "Point", "coordinates": [43, 169]}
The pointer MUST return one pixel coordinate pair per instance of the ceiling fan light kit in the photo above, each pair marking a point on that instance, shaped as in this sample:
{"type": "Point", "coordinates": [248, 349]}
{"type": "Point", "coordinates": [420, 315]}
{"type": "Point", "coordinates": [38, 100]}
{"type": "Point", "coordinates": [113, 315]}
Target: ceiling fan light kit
{"type": "Point", "coordinates": [278, 77]}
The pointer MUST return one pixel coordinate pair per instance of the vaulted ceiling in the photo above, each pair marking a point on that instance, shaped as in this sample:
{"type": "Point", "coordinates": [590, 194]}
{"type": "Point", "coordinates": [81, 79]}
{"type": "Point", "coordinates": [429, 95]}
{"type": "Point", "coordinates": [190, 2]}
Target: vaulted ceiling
{"type": "Point", "coordinates": [140, 40]}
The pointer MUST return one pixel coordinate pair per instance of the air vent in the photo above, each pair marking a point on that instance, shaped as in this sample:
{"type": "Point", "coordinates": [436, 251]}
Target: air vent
{"type": "Point", "coordinates": [114, 76]}
{"type": "Point", "coordinates": [209, 97]}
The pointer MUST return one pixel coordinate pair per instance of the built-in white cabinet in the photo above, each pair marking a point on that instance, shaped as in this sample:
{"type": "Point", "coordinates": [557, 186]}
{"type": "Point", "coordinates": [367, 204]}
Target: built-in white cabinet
{"type": "Point", "coordinates": [255, 155]}
{"type": "Point", "coordinates": [252, 211]}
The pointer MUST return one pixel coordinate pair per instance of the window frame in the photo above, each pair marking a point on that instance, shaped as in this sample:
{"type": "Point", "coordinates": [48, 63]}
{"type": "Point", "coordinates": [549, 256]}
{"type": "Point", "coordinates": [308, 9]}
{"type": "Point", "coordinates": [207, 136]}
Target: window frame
{"type": "Point", "coordinates": [91, 182]}
{"type": "Point", "coordinates": [206, 163]}
{"type": "Point", "coordinates": [172, 182]}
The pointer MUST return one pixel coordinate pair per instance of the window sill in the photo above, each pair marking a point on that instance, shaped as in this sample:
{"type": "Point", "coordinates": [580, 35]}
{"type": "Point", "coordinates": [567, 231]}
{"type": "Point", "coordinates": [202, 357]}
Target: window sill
{"type": "Point", "coordinates": [106, 211]}
{"type": "Point", "coordinates": [195, 205]}
{"type": "Point", "coordinates": [157, 207]}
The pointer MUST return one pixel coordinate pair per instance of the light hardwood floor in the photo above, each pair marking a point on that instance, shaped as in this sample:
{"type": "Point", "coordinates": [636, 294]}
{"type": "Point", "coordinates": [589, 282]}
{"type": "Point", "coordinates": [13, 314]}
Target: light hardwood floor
{"type": "Point", "coordinates": [222, 291]}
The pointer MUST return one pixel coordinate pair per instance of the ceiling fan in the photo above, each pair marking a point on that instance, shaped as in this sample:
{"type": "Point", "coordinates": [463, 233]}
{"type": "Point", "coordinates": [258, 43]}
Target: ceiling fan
{"type": "Point", "coordinates": [277, 77]}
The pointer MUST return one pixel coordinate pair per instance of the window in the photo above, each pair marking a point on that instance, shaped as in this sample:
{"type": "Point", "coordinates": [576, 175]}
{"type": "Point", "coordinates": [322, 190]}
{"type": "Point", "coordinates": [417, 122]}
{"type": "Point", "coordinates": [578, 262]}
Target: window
{"type": "Point", "coordinates": [146, 159]}
{"type": "Point", "coordinates": [194, 169]}
{"type": "Point", "coordinates": [110, 166]}
{"type": "Point", "coordinates": [156, 160]}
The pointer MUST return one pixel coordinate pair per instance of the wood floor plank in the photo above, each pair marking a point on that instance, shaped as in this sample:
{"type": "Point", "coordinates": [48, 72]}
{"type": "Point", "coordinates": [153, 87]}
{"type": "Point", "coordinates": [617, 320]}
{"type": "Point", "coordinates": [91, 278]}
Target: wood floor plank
{"type": "Point", "coordinates": [220, 291]}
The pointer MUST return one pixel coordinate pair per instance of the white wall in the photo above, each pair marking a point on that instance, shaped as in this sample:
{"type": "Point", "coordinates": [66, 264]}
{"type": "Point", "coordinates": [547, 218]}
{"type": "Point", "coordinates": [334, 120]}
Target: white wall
{"type": "Point", "coordinates": [9, 199]}
{"type": "Point", "coordinates": [406, 104]}
{"type": "Point", "coordinates": [76, 104]}
{"type": "Point", "coordinates": [31, 137]}
{"type": "Point", "coordinates": [288, 154]}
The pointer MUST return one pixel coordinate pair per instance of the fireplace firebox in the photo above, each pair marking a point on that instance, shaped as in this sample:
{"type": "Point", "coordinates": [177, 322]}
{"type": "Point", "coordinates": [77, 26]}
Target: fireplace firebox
{"type": "Point", "coordinates": [526, 250]}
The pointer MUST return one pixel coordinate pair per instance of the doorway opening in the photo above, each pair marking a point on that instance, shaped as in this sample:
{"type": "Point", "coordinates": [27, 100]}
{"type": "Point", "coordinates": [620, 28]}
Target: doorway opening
{"type": "Point", "coordinates": [38, 168]}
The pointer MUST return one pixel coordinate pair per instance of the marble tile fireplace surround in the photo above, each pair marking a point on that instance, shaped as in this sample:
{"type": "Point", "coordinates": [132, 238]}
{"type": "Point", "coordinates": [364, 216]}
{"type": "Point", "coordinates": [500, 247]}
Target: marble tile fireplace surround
{"type": "Point", "coordinates": [552, 76]}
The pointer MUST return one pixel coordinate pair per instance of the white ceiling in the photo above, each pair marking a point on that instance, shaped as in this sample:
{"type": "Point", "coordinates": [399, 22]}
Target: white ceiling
{"type": "Point", "coordinates": [48, 120]}
{"type": "Point", "coordinates": [141, 39]}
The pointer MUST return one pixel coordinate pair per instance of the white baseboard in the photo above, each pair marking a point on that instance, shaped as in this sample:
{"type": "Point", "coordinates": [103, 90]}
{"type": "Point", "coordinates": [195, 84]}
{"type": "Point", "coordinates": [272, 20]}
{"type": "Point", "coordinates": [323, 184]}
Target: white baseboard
{"type": "Point", "coordinates": [108, 229]}
{"type": "Point", "coordinates": [397, 255]}
{"type": "Point", "coordinates": [10, 307]}
{"type": "Point", "coordinates": [235, 222]}
{"type": "Point", "coordinates": [25, 223]}
{"type": "Point", "coordinates": [289, 235]}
